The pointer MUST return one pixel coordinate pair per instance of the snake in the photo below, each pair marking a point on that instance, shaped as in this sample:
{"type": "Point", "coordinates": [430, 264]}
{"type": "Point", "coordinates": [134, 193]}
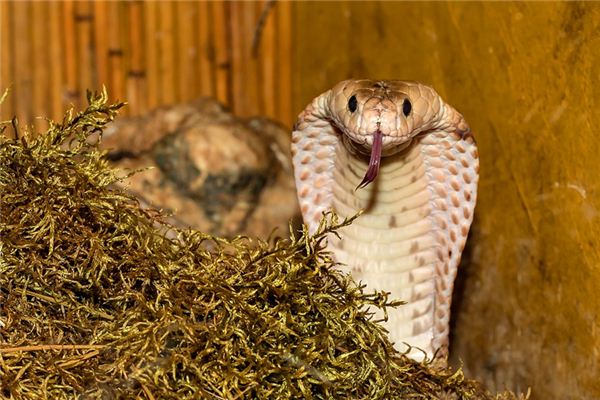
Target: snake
{"type": "Point", "coordinates": [407, 161]}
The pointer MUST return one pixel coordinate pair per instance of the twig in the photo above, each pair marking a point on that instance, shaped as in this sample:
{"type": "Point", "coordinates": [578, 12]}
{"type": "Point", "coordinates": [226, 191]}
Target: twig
{"type": "Point", "coordinates": [77, 361]}
{"type": "Point", "coordinates": [44, 347]}
{"type": "Point", "coordinates": [260, 25]}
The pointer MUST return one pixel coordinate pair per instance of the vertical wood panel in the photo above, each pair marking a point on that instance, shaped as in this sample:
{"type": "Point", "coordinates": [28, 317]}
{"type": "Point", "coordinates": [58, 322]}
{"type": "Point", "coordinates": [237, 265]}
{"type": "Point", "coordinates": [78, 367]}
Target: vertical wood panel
{"type": "Point", "coordinates": [187, 49]}
{"type": "Point", "coordinates": [284, 14]}
{"type": "Point", "coordinates": [85, 59]}
{"type": "Point", "coordinates": [267, 52]}
{"type": "Point", "coordinates": [41, 78]}
{"type": "Point", "coordinates": [116, 63]}
{"type": "Point", "coordinates": [135, 74]}
{"type": "Point", "coordinates": [249, 72]}
{"type": "Point", "coordinates": [22, 68]}
{"type": "Point", "coordinates": [151, 53]}
{"type": "Point", "coordinates": [57, 63]}
{"type": "Point", "coordinates": [222, 46]}
{"type": "Point", "coordinates": [206, 51]}
{"type": "Point", "coordinates": [101, 26]}
{"type": "Point", "coordinates": [237, 50]}
{"type": "Point", "coordinates": [6, 76]}
{"type": "Point", "coordinates": [166, 45]}
{"type": "Point", "coordinates": [72, 95]}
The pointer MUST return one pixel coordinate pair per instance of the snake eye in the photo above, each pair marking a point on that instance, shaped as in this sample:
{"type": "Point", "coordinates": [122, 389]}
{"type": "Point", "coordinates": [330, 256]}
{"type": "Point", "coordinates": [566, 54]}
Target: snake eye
{"type": "Point", "coordinates": [406, 107]}
{"type": "Point", "coordinates": [352, 104]}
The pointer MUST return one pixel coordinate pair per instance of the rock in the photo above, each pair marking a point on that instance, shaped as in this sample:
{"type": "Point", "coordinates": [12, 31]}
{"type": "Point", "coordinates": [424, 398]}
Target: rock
{"type": "Point", "coordinates": [211, 171]}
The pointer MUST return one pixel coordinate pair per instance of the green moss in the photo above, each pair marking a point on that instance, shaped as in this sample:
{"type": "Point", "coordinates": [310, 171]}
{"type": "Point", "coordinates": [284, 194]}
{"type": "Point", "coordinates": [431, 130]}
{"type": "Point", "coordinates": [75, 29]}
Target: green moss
{"type": "Point", "coordinates": [101, 298]}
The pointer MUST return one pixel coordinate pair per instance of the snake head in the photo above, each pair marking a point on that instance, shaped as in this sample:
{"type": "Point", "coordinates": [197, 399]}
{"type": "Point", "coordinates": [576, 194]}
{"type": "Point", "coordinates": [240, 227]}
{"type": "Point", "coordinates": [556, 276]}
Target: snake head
{"type": "Point", "coordinates": [381, 118]}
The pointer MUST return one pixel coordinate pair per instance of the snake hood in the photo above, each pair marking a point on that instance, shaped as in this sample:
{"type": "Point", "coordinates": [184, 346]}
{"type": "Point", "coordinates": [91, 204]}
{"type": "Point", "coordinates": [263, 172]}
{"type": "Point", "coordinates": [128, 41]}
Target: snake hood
{"type": "Point", "coordinates": [415, 218]}
{"type": "Point", "coordinates": [380, 118]}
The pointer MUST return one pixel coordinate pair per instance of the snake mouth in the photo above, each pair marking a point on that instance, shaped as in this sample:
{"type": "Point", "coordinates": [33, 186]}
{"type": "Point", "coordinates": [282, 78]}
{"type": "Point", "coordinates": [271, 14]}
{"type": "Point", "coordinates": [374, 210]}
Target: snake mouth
{"type": "Point", "coordinates": [374, 160]}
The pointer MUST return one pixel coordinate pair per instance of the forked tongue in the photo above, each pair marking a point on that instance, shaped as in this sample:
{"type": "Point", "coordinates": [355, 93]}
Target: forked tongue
{"type": "Point", "coordinates": [374, 161]}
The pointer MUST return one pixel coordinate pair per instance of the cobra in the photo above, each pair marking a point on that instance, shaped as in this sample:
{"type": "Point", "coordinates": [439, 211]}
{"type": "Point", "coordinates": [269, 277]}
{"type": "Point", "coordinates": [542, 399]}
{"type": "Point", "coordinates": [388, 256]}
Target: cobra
{"type": "Point", "coordinates": [397, 151]}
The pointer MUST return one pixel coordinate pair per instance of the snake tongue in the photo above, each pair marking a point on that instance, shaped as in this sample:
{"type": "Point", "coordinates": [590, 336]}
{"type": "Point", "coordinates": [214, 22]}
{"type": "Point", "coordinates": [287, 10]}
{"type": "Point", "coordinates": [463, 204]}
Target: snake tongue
{"type": "Point", "coordinates": [374, 161]}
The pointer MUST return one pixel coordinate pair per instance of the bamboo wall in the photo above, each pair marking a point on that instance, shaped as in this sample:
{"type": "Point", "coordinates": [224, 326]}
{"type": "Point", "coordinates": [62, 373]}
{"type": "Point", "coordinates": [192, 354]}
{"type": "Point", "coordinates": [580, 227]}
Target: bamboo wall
{"type": "Point", "coordinates": [147, 53]}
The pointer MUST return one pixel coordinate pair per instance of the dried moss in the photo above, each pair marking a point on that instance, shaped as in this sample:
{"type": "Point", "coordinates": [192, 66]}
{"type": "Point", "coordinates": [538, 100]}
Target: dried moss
{"type": "Point", "coordinates": [100, 298]}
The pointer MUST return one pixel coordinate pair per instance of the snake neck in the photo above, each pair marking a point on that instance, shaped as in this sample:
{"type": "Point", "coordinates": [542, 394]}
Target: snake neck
{"type": "Point", "coordinates": [400, 255]}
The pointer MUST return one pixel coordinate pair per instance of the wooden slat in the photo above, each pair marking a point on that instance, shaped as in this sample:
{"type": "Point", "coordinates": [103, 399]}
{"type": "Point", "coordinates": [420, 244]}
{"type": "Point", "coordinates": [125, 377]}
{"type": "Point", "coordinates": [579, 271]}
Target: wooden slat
{"type": "Point", "coordinates": [267, 52]}
{"type": "Point", "coordinates": [40, 83]}
{"type": "Point", "coordinates": [135, 74]}
{"type": "Point", "coordinates": [206, 51]}
{"type": "Point", "coordinates": [187, 49]}
{"type": "Point", "coordinates": [168, 79]}
{"type": "Point", "coordinates": [152, 67]}
{"type": "Point", "coordinates": [101, 26]}
{"type": "Point", "coordinates": [116, 53]}
{"type": "Point", "coordinates": [222, 46]}
{"type": "Point", "coordinates": [57, 65]}
{"type": "Point", "coordinates": [237, 68]}
{"type": "Point", "coordinates": [284, 28]}
{"type": "Point", "coordinates": [251, 79]}
{"type": "Point", "coordinates": [244, 71]}
{"type": "Point", "coordinates": [85, 54]}
{"type": "Point", "coordinates": [69, 44]}
{"type": "Point", "coordinates": [6, 76]}
{"type": "Point", "coordinates": [22, 63]}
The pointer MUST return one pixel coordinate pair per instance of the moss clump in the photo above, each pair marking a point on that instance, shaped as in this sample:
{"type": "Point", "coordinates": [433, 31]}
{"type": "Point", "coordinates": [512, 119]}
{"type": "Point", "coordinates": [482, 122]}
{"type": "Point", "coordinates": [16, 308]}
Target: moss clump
{"type": "Point", "coordinates": [100, 298]}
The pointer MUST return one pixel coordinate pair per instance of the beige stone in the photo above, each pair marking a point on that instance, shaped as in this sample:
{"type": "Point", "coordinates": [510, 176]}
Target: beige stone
{"type": "Point", "coordinates": [211, 171]}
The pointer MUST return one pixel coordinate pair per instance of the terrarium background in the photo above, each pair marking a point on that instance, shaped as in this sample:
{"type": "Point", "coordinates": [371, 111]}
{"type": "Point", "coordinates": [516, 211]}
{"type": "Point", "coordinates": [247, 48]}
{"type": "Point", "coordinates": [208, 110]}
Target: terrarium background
{"type": "Point", "coordinates": [523, 74]}
{"type": "Point", "coordinates": [148, 53]}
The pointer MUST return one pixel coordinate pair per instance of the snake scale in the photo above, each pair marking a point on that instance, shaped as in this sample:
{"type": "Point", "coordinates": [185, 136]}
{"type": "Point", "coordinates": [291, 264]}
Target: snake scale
{"type": "Point", "coordinates": [397, 151]}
